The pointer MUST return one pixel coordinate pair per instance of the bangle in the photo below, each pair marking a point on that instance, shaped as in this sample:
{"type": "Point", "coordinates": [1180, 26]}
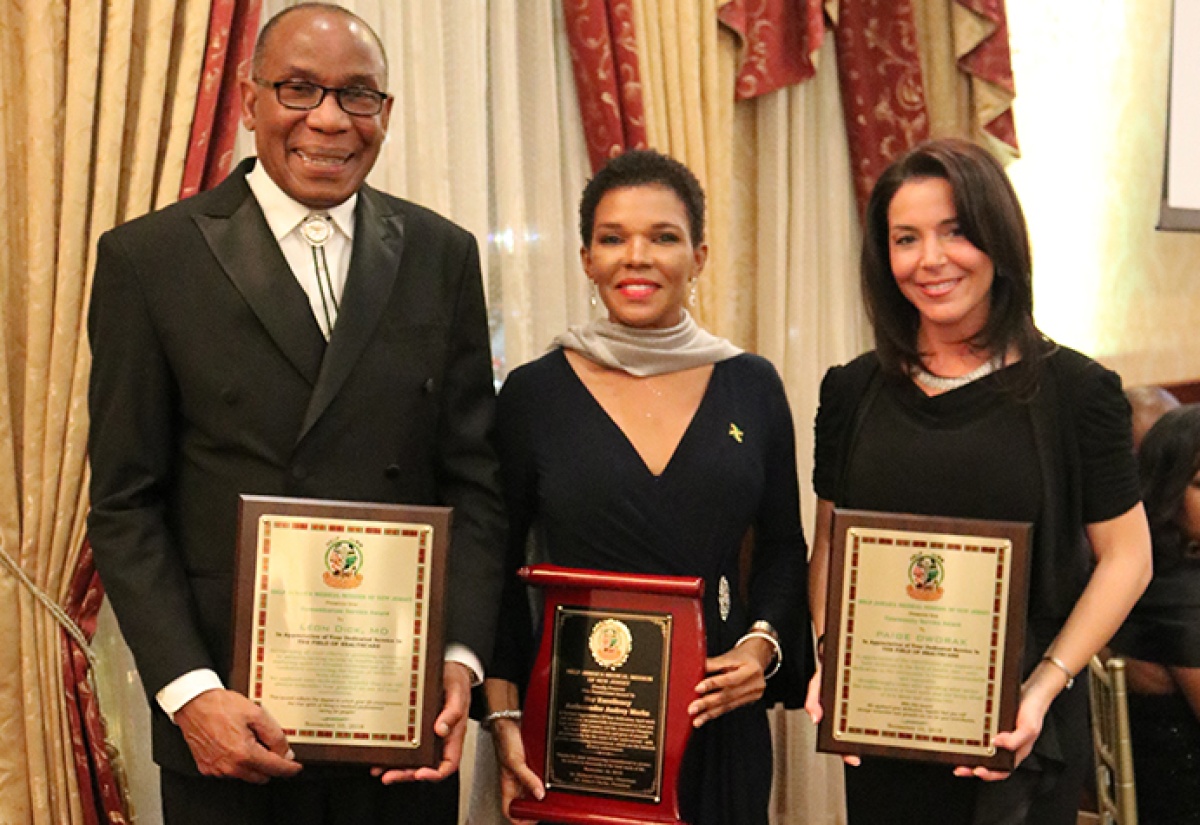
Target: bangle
{"type": "Point", "coordinates": [1058, 663]}
{"type": "Point", "coordinates": [495, 715]}
{"type": "Point", "coordinates": [766, 627]}
{"type": "Point", "coordinates": [777, 655]}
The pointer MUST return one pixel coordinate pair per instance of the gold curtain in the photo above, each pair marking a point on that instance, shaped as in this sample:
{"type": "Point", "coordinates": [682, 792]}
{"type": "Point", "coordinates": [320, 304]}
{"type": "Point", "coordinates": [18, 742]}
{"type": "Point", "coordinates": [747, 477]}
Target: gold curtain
{"type": "Point", "coordinates": [783, 239]}
{"type": "Point", "coordinates": [688, 67]}
{"type": "Point", "coordinates": [959, 103]}
{"type": "Point", "coordinates": [92, 93]}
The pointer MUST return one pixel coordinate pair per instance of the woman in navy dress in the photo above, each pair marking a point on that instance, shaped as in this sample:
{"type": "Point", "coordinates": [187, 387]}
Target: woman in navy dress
{"type": "Point", "coordinates": [641, 443]}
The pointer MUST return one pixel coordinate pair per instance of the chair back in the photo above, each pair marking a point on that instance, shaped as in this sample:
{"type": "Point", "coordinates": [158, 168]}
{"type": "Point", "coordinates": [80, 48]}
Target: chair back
{"type": "Point", "coordinates": [1116, 796]}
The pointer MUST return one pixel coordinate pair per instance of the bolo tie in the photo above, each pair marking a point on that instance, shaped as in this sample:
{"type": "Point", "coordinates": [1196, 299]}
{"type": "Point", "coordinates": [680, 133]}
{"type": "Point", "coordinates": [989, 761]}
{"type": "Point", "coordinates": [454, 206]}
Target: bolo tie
{"type": "Point", "coordinates": [317, 229]}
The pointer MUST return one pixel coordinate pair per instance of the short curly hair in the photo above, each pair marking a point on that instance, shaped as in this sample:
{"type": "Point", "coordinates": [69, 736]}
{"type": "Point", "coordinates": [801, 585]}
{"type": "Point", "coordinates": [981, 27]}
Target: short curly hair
{"type": "Point", "coordinates": [643, 167]}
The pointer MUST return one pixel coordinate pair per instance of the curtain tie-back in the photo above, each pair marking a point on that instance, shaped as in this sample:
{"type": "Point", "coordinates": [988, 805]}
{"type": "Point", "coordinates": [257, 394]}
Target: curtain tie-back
{"type": "Point", "coordinates": [55, 609]}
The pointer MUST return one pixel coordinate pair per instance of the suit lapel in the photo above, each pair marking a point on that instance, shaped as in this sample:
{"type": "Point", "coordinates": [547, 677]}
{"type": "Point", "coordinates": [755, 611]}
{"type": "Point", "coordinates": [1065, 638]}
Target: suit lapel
{"type": "Point", "coordinates": [239, 237]}
{"type": "Point", "coordinates": [374, 265]}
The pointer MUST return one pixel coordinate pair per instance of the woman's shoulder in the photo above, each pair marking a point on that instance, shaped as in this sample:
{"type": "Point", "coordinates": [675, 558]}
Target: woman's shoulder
{"type": "Point", "coordinates": [751, 375]}
{"type": "Point", "coordinates": [848, 381]}
{"type": "Point", "coordinates": [1085, 382]}
{"type": "Point", "coordinates": [750, 365]}
{"type": "Point", "coordinates": [539, 368]}
{"type": "Point", "coordinates": [534, 377]}
{"type": "Point", "coordinates": [1075, 368]}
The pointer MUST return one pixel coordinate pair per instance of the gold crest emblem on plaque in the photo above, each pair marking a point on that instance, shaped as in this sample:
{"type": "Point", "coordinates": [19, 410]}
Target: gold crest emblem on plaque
{"type": "Point", "coordinates": [343, 563]}
{"type": "Point", "coordinates": [610, 643]}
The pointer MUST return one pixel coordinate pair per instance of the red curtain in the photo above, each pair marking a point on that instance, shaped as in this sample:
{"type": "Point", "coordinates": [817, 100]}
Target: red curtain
{"type": "Point", "coordinates": [778, 38]}
{"type": "Point", "coordinates": [992, 61]}
{"type": "Point", "coordinates": [883, 95]}
{"type": "Point", "coordinates": [604, 56]}
{"type": "Point", "coordinates": [99, 794]}
{"type": "Point", "coordinates": [233, 26]}
{"type": "Point", "coordinates": [232, 29]}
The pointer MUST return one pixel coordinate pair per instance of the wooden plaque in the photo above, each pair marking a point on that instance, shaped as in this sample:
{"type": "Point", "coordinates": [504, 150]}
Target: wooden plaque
{"type": "Point", "coordinates": [924, 634]}
{"type": "Point", "coordinates": [338, 625]}
{"type": "Point", "coordinates": [605, 720]}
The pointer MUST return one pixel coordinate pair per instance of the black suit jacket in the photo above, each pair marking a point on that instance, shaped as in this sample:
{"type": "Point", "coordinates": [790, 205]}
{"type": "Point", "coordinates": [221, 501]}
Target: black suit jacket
{"type": "Point", "coordinates": [211, 378]}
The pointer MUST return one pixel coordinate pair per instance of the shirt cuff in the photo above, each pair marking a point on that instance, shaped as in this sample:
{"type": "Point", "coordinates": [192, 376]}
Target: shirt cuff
{"type": "Point", "coordinates": [186, 688]}
{"type": "Point", "coordinates": [457, 652]}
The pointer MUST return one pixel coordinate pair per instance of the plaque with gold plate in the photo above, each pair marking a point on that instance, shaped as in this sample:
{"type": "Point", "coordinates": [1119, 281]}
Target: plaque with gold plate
{"type": "Point", "coordinates": [605, 718]}
{"type": "Point", "coordinates": [338, 625]}
{"type": "Point", "coordinates": [924, 634]}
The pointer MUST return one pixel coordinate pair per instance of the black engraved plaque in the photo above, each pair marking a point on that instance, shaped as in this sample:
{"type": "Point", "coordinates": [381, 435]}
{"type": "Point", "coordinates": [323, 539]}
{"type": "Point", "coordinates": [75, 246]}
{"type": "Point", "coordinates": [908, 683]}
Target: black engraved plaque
{"type": "Point", "coordinates": [608, 702]}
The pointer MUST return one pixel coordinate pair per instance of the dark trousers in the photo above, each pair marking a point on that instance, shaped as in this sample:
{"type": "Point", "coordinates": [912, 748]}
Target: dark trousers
{"type": "Point", "coordinates": [333, 798]}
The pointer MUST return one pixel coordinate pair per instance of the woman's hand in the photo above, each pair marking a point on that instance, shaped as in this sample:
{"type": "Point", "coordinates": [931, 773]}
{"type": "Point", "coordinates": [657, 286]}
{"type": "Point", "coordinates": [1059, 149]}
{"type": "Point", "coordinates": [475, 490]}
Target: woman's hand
{"type": "Point", "coordinates": [735, 679]}
{"type": "Point", "coordinates": [516, 777]}
{"type": "Point", "coordinates": [812, 699]}
{"type": "Point", "coordinates": [1036, 695]}
{"type": "Point", "coordinates": [812, 706]}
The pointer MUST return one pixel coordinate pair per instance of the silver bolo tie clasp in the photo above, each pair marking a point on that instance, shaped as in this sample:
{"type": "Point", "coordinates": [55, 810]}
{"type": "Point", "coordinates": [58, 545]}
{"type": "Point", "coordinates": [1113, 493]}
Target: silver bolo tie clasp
{"type": "Point", "coordinates": [317, 229]}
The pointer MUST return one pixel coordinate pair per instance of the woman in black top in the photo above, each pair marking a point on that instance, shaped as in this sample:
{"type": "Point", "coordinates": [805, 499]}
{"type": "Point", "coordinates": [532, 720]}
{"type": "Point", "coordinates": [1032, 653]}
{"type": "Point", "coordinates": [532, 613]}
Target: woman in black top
{"type": "Point", "coordinates": [1161, 638]}
{"type": "Point", "coordinates": [964, 409]}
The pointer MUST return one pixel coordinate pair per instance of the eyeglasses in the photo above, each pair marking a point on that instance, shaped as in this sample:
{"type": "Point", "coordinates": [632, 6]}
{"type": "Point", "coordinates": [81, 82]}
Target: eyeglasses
{"type": "Point", "coordinates": [301, 95]}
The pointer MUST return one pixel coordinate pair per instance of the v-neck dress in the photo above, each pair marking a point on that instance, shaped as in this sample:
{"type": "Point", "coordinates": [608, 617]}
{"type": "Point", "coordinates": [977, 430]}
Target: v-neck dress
{"type": "Point", "coordinates": [576, 484]}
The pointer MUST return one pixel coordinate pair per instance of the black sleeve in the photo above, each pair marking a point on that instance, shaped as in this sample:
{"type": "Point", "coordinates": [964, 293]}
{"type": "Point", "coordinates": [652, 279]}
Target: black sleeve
{"type": "Point", "coordinates": [842, 389]}
{"type": "Point", "coordinates": [1102, 421]}
{"type": "Point", "coordinates": [778, 591]}
{"type": "Point", "coordinates": [513, 657]}
{"type": "Point", "coordinates": [468, 470]}
{"type": "Point", "coordinates": [133, 405]}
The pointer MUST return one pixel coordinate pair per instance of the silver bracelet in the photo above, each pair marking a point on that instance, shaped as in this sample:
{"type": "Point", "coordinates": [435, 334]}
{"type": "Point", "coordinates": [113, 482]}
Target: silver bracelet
{"type": "Point", "coordinates": [492, 717]}
{"type": "Point", "coordinates": [766, 637]}
{"type": "Point", "coordinates": [1058, 663]}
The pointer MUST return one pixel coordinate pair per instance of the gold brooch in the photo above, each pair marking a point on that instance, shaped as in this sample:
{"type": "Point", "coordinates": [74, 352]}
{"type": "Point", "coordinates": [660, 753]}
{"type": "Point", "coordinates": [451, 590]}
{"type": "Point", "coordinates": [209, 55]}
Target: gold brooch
{"type": "Point", "coordinates": [735, 432]}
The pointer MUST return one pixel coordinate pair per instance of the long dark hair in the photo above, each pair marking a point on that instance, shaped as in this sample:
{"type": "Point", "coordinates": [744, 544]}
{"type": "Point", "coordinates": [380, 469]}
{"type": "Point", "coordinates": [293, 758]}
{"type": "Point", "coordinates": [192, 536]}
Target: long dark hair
{"type": "Point", "coordinates": [989, 216]}
{"type": "Point", "coordinates": [1168, 460]}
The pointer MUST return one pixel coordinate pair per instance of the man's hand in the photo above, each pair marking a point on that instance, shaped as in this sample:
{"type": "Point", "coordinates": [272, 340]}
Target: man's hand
{"type": "Point", "coordinates": [451, 726]}
{"type": "Point", "coordinates": [233, 738]}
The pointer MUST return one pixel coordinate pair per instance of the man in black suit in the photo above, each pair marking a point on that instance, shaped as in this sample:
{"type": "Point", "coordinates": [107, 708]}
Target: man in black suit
{"type": "Point", "coordinates": [230, 356]}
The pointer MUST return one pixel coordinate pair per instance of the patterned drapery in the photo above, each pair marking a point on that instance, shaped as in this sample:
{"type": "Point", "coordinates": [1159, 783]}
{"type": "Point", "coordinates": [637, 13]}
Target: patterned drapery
{"type": "Point", "coordinates": [883, 93]}
{"type": "Point", "coordinates": [232, 25]}
{"type": "Point", "coordinates": [232, 29]}
{"type": "Point", "coordinates": [98, 773]}
{"type": "Point", "coordinates": [607, 78]}
{"type": "Point", "coordinates": [989, 62]}
{"type": "Point", "coordinates": [780, 39]}
{"type": "Point", "coordinates": [913, 69]}
{"type": "Point", "coordinates": [95, 97]}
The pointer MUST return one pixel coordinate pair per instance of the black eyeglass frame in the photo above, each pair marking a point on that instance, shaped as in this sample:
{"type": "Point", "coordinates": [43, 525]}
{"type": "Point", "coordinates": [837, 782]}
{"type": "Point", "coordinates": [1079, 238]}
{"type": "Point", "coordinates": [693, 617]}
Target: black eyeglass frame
{"type": "Point", "coordinates": [382, 97]}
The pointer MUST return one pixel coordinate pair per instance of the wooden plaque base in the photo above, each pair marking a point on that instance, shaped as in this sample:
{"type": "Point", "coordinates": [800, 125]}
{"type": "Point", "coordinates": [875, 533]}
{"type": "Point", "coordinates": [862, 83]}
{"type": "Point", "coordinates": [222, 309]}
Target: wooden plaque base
{"type": "Point", "coordinates": [605, 718]}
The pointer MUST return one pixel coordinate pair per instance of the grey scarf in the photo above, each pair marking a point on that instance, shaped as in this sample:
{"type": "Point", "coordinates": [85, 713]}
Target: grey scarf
{"type": "Point", "coordinates": [644, 352]}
